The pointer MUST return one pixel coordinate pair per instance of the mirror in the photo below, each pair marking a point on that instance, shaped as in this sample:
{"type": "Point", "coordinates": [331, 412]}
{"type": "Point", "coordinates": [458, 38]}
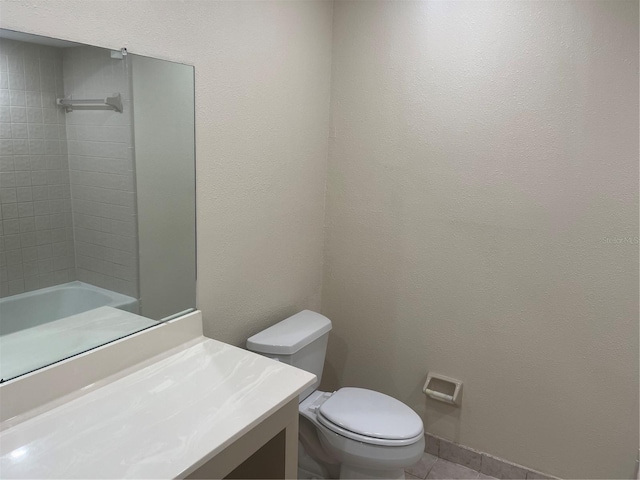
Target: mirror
{"type": "Point", "coordinates": [97, 197]}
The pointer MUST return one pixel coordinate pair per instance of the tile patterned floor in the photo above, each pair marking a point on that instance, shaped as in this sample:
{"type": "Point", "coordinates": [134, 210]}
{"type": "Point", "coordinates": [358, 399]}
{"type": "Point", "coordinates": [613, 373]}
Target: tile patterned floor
{"type": "Point", "coordinates": [432, 467]}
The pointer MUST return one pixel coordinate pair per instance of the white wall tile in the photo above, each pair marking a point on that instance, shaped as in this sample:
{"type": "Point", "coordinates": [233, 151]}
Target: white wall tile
{"type": "Point", "coordinates": [8, 178]}
{"type": "Point", "coordinates": [21, 146]}
{"type": "Point", "coordinates": [34, 115]}
{"type": "Point", "coordinates": [6, 147]}
{"type": "Point", "coordinates": [9, 210]}
{"type": "Point", "coordinates": [36, 130]}
{"type": "Point", "coordinates": [27, 224]}
{"type": "Point", "coordinates": [31, 283]}
{"type": "Point", "coordinates": [12, 242]}
{"type": "Point", "coordinates": [25, 194]}
{"type": "Point", "coordinates": [19, 130]}
{"type": "Point", "coordinates": [22, 162]}
{"type": "Point", "coordinates": [16, 81]}
{"type": "Point", "coordinates": [8, 195]}
{"type": "Point", "coordinates": [30, 268]}
{"type": "Point", "coordinates": [5, 114]}
{"type": "Point", "coordinates": [49, 116]}
{"type": "Point", "coordinates": [18, 115]}
{"type": "Point", "coordinates": [15, 287]}
{"type": "Point", "coordinates": [17, 98]}
{"type": "Point", "coordinates": [5, 130]}
{"type": "Point", "coordinates": [33, 98]}
{"type": "Point", "coordinates": [11, 226]}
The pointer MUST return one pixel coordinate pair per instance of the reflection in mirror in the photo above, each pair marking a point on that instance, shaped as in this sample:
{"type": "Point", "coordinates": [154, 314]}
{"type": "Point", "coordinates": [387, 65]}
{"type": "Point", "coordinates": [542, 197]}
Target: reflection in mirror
{"type": "Point", "coordinates": [97, 197]}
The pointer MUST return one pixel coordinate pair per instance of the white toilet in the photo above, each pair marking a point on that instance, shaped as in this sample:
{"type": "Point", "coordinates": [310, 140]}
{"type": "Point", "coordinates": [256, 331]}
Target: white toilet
{"type": "Point", "coordinates": [353, 432]}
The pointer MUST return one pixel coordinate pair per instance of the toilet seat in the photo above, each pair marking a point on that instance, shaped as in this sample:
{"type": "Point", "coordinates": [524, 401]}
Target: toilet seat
{"type": "Point", "coordinates": [364, 439]}
{"type": "Point", "coordinates": [370, 417]}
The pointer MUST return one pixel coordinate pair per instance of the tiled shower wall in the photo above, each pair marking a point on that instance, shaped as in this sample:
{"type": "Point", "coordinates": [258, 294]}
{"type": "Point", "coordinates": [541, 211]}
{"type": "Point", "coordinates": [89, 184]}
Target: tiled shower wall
{"type": "Point", "coordinates": [36, 239]}
{"type": "Point", "coordinates": [102, 172]}
{"type": "Point", "coordinates": [52, 162]}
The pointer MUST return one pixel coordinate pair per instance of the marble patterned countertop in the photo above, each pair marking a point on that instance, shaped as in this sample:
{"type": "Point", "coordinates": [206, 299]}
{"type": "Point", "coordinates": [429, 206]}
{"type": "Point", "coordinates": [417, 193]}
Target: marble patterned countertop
{"type": "Point", "coordinates": [155, 422]}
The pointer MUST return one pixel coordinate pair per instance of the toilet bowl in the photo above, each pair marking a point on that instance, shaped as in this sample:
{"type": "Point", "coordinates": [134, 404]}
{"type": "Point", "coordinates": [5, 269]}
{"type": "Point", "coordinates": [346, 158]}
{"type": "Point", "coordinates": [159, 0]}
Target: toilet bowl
{"type": "Point", "coordinates": [350, 433]}
{"type": "Point", "coordinates": [371, 435]}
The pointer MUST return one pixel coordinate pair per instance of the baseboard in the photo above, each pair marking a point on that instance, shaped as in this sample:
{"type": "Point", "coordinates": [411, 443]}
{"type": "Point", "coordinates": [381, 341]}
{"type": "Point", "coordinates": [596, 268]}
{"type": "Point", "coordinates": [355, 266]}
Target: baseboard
{"type": "Point", "coordinates": [480, 461]}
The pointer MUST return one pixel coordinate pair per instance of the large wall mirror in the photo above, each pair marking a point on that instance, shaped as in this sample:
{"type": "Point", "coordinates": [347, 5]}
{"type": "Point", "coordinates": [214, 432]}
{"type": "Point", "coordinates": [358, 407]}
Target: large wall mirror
{"type": "Point", "coordinates": [97, 197]}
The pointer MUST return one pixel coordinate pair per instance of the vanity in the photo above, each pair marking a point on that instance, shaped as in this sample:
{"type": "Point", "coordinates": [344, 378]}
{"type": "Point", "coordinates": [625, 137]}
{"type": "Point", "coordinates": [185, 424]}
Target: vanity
{"type": "Point", "coordinates": [199, 409]}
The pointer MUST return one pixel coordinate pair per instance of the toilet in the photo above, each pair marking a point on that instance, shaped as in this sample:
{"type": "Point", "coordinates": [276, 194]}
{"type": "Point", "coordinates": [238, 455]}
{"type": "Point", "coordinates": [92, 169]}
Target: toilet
{"type": "Point", "coordinates": [352, 432]}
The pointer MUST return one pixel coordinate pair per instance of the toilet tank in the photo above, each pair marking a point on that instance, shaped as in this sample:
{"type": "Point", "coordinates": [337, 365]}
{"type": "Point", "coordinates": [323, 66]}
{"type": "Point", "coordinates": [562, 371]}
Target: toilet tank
{"type": "Point", "coordinates": [300, 341]}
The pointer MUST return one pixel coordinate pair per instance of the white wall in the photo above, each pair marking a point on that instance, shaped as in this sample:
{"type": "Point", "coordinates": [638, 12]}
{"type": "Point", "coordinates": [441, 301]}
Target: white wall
{"type": "Point", "coordinates": [483, 153]}
{"type": "Point", "coordinates": [262, 109]}
{"type": "Point", "coordinates": [165, 182]}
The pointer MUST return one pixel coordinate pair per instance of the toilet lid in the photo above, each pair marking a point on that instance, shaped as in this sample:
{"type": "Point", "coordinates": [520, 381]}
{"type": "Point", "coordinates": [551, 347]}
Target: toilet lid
{"type": "Point", "coordinates": [371, 414]}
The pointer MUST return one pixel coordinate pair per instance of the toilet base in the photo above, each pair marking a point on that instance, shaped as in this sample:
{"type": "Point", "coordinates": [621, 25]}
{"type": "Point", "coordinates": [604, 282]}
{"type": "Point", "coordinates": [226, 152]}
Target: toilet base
{"type": "Point", "coordinates": [308, 467]}
{"type": "Point", "coordinates": [348, 471]}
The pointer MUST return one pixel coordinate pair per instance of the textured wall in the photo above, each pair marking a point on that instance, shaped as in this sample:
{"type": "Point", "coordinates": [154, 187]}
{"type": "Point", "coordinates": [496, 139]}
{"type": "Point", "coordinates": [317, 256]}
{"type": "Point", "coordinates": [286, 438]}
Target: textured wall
{"type": "Point", "coordinates": [484, 152]}
{"type": "Point", "coordinates": [101, 164]}
{"type": "Point", "coordinates": [36, 241]}
{"type": "Point", "coordinates": [262, 112]}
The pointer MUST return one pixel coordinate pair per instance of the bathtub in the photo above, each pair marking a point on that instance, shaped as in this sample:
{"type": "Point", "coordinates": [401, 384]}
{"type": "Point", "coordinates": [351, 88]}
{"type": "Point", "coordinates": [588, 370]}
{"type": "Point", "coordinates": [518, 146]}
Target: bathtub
{"type": "Point", "coordinates": [31, 309]}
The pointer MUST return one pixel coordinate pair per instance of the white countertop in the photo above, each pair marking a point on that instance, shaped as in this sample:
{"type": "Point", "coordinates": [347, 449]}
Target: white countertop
{"type": "Point", "coordinates": [156, 422]}
{"type": "Point", "coordinates": [36, 347]}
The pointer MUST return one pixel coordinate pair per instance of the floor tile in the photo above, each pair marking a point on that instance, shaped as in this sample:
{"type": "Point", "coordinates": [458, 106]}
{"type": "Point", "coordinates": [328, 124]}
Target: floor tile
{"type": "Point", "coordinates": [422, 468]}
{"type": "Point", "coordinates": [444, 469]}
